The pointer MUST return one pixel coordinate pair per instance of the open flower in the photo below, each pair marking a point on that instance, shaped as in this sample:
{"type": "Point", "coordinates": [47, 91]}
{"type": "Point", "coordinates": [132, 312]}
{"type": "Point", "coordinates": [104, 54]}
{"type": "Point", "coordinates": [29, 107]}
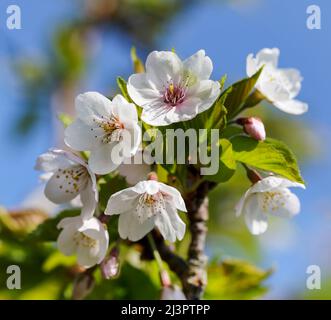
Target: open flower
{"type": "Point", "coordinates": [86, 238]}
{"type": "Point", "coordinates": [67, 177]}
{"type": "Point", "coordinates": [172, 90]}
{"type": "Point", "coordinates": [279, 86]}
{"type": "Point", "coordinates": [146, 205]}
{"type": "Point", "coordinates": [109, 129]}
{"type": "Point", "coordinates": [268, 196]}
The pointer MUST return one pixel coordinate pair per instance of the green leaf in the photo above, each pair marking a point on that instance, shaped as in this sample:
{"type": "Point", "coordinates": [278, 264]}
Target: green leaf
{"type": "Point", "coordinates": [138, 66]}
{"type": "Point", "coordinates": [235, 279]}
{"type": "Point", "coordinates": [123, 87]}
{"type": "Point", "coordinates": [237, 94]}
{"type": "Point", "coordinates": [227, 164]}
{"type": "Point", "coordinates": [269, 155]}
{"type": "Point", "coordinates": [47, 231]}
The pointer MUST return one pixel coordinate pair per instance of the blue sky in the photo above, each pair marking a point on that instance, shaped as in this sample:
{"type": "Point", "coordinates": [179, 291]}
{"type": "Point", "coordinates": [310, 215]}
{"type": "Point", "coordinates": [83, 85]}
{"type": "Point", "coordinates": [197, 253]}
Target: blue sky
{"type": "Point", "coordinates": [227, 32]}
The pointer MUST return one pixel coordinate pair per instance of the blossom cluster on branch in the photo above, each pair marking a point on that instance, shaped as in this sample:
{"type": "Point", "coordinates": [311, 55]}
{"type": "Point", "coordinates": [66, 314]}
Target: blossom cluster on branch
{"type": "Point", "coordinates": [170, 93]}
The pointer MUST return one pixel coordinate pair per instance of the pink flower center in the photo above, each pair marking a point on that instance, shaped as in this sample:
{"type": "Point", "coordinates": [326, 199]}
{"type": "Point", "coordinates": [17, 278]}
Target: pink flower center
{"type": "Point", "coordinates": [174, 95]}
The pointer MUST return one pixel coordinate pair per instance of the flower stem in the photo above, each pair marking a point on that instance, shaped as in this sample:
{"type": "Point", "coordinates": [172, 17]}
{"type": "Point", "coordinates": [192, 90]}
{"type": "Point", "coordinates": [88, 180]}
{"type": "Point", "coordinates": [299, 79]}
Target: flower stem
{"type": "Point", "coordinates": [156, 253]}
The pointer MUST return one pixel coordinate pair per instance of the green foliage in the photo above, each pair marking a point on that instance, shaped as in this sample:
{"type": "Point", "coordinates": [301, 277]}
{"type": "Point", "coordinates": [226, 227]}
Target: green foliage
{"type": "Point", "coordinates": [138, 66]}
{"type": "Point", "coordinates": [269, 155]}
{"type": "Point", "coordinates": [227, 165]}
{"type": "Point", "coordinates": [236, 95]}
{"type": "Point", "coordinates": [235, 279]}
{"type": "Point", "coordinates": [122, 85]}
{"type": "Point", "coordinates": [65, 119]}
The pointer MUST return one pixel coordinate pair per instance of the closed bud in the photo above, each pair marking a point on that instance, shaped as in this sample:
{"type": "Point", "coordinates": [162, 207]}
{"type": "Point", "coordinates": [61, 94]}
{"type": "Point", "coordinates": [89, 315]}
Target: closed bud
{"type": "Point", "coordinates": [110, 266]}
{"type": "Point", "coordinates": [254, 127]}
{"type": "Point", "coordinates": [83, 286]}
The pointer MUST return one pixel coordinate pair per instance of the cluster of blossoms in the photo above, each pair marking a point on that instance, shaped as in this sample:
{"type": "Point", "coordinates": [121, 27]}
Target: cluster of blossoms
{"type": "Point", "coordinates": [106, 132]}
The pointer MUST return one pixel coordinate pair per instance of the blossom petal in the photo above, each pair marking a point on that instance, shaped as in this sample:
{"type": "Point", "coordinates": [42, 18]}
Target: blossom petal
{"type": "Point", "coordinates": [255, 219]}
{"type": "Point", "coordinates": [163, 223]}
{"type": "Point", "coordinates": [58, 191]}
{"type": "Point", "coordinates": [199, 64]}
{"type": "Point", "coordinates": [130, 228]}
{"type": "Point", "coordinates": [53, 160]}
{"type": "Point", "coordinates": [91, 104]}
{"type": "Point", "coordinates": [105, 158]}
{"type": "Point", "coordinates": [176, 198]}
{"type": "Point", "coordinates": [283, 203]}
{"type": "Point", "coordinates": [88, 198]}
{"type": "Point", "coordinates": [87, 257]}
{"type": "Point", "coordinates": [294, 79]}
{"type": "Point", "coordinates": [163, 67]}
{"type": "Point", "coordinates": [177, 223]}
{"type": "Point", "coordinates": [65, 241]}
{"type": "Point", "coordinates": [123, 109]}
{"type": "Point", "coordinates": [268, 56]}
{"type": "Point", "coordinates": [292, 106]}
{"type": "Point", "coordinates": [122, 201]}
{"type": "Point", "coordinates": [78, 136]}
{"type": "Point", "coordinates": [251, 65]}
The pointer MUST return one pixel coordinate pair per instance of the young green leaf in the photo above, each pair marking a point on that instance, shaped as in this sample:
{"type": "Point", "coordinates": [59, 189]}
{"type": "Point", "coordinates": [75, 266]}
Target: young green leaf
{"type": "Point", "coordinates": [122, 85]}
{"type": "Point", "coordinates": [269, 155]}
{"type": "Point", "coordinates": [237, 94]}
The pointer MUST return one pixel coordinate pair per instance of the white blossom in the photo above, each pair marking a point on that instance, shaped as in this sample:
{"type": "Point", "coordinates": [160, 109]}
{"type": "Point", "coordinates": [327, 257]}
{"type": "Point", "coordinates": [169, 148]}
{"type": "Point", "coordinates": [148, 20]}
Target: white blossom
{"type": "Point", "coordinates": [172, 90]}
{"type": "Point", "coordinates": [279, 86]}
{"type": "Point", "coordinates": [88, 239]}
{"type": "Point", "coordinates": [109, 129]}
{"type": "Point", "coordinates": [268, 196]}
{"type": "Point", "coordinates": [146, 205]}
{"type": "Point", "coordinates": [67, 177]}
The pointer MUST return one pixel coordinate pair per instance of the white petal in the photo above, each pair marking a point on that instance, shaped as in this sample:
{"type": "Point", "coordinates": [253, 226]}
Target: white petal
{"type": "Point", "coordinates": [156, 114]}
{"type": "Point", "coordinates": [150, 186]}
{"type": "Point", "coordinates": [79, 136]}
{"type": "Point", "coordinates": [58, 191]}
{"type": "Point", "coordinates": [251, 66]}
{"type": "Point", "coordinates": [162, 221]}
{"type": "Point", "coordinates": [163, 66]}
{"type": "Point", "coordinates": [199, 64]}
{"type": "Point", "coordinates": [75, 222]}
{"type": "Point", "coordinates": [122, 201]}
{"type": "Point", "coordinates": [141, 90]}
{"type": "Point", "coordinates": [87, 257]}
{"type": "Point", "coordinates": [268, 56]}
{"type": "Point", "coordinates": [283, 204]}
{"type": "Point", "coordinates": [255, 219]}
{"type": "Point", "coordinates": [123, 109]}
{"type": "Point", "coordinates": [91, 104]}
{"type": "Point", "coordinates": [88, 197]}
{"type": "Point", "coordinates": [130, 227]}
{"type": "Point", "coordinates": [292, 106]}
{"type": "Point", "coordinates": [177, 223]}
{"type": "Point", "coordinates": [52, 160]}
{"type": "Point", "coordinates": [65, 241]}
{"type": "Point", "coordinates": [274, 90]}
{"type": "Point", "coordinates": [105, 158]}
{"type": "Point", "coordinates": [267, 184]}
{"type": "Point", "coordinates": [176, 198]}
{"type": "Point", "coordinates": [293, 80]}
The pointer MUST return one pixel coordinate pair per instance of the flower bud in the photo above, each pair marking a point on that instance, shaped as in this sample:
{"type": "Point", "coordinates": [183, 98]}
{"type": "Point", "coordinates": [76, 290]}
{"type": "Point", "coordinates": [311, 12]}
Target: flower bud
{"type": "Point", "coordinates": [172, 293]}
{"type": "Point", "coordinates": [110, 266]}
{"type": "Point", "coordinates": [165, 279]}
{"type": "Point", "coordinates": [152, 176]}
{"type": "Point", "coordinates": [254, 127]}
{"type": "Point", "coordinates": [83, 286]}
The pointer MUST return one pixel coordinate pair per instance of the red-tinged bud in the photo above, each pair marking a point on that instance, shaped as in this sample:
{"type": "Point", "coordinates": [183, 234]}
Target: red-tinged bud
{"type": "Point", "coordinates": [83, 286]}
{"type": "Point", "coordinates": [254, 127]}
{"type": "Point", "coordinates": [165, 279]}
{"type": "Point", "coordinates": [110, 266]}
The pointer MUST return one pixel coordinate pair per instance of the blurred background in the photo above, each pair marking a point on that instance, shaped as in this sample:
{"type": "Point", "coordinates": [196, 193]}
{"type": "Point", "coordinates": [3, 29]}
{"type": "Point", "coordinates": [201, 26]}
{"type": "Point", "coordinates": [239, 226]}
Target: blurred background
{"type": "Point", "coordinates": [68, 47]}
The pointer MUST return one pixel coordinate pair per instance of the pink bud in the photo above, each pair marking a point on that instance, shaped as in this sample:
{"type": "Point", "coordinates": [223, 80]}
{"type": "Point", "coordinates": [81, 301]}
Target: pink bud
{"type": "Point", "coordinates": [110, 266]}
{"type": "Point", "coordinates": [83, 286]}
{"type": "Point", "coordinates": [165, 279]}
{"type": "Point", "coordinates": [254, 127]}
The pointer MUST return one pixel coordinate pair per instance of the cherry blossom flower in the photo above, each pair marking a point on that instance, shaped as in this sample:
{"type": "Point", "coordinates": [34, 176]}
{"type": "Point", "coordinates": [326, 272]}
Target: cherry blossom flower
{"type": "Point", "coordinates": [172, 90]}
{"type": "Point", "coordinates": [279, 86]}
{"type": "Point", "coordinates": [67, 177]}
{"type": "Point", "coordinates": [268, 196]}
{"type": "Point", "coordinates": [87, 238]}
{"type": "Point", "coordinates": [146, 205]}
{"type": "Point", "coordinates": [109, 129]}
